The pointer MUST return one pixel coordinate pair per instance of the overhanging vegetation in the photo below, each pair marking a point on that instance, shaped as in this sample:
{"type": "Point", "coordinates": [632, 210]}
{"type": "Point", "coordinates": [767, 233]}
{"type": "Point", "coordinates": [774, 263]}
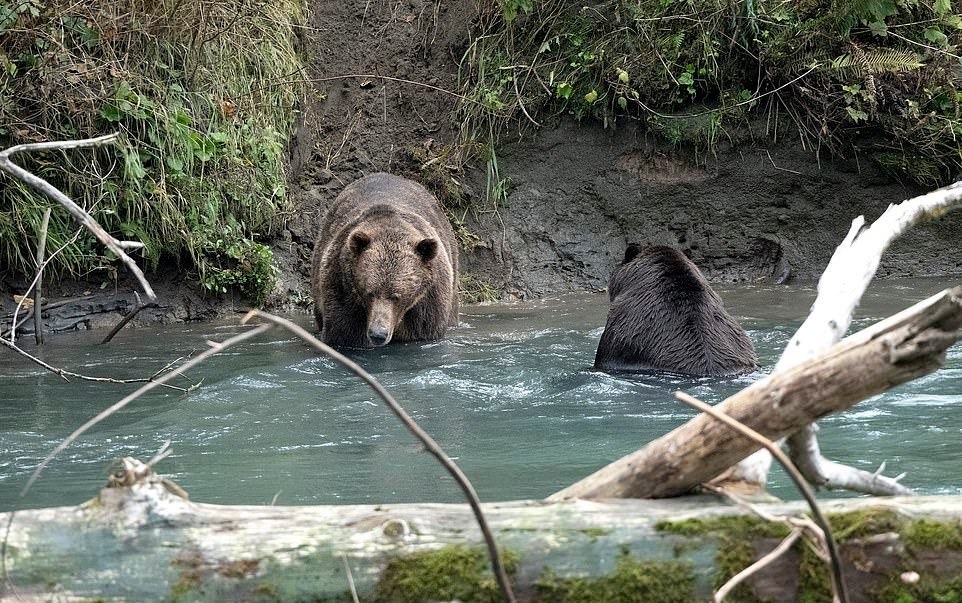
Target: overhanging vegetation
{"type": "Point", "coordinates": [880, 78]}
{"type": "Point", "coordinates": [193, 86]}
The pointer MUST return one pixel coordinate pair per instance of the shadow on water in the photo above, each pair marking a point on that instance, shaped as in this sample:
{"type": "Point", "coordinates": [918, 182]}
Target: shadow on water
{"type": "Point", "coordinates": [510, 395]}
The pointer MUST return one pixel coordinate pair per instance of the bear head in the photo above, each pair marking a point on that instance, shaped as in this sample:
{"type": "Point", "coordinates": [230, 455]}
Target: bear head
{"type": "Point", "coordinates": [392, 269]}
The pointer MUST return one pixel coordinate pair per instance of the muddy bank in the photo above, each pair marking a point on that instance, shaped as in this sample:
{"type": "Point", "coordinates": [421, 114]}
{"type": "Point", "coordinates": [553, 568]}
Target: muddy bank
{"type": "Point", "coordinates": [580, 193]}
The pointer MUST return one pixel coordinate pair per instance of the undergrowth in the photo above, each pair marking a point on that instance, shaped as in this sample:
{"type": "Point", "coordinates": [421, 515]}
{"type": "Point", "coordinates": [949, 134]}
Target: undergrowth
{"type": "Point", "coordinates": [192, 86]}
{"type": "Point", "coordinates": [875, 77]}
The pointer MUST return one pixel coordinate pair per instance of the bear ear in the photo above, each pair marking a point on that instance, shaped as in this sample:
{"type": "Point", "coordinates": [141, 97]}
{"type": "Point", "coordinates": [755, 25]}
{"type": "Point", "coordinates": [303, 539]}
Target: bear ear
{"type": "Point", "coordinates": [632, 252]}
{"type": "Point", "coordinates": [359, 241]}
{"type": "Point", "coordinates": [427, 249]}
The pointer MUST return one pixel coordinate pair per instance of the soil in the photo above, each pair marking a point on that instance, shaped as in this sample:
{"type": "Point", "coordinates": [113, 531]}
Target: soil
{"type": "Point", "coordinates": [578, 192]}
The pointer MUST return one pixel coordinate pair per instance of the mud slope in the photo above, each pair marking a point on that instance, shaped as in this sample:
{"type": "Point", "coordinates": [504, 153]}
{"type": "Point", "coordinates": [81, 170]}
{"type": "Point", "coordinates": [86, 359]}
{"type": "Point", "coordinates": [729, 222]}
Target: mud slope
{"type": "Point", "coordinates": [358, 125]}
{"type": "Point", "coordinates": [580, 193]}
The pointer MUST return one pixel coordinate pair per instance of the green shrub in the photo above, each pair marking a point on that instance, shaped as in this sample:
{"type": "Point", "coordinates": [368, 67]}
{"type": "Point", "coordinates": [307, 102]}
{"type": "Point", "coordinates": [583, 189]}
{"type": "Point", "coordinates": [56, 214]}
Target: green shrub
{"type": "Point", "coordinates": [877, 77]}
{"type": "Point", "coordinates": [203, 96]}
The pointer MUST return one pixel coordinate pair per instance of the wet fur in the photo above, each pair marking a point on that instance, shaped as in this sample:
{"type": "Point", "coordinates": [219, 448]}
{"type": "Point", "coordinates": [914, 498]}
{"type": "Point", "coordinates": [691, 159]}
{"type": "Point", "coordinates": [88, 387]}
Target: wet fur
{"type": "Point", "coordinates": [665, 316]}
{"type": "Point", "coordinates": [395, 215]}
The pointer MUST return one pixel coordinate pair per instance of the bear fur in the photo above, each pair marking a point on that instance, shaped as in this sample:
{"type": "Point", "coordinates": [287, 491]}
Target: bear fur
{"type": "Point", "coordinates": [385, 265]}
{"type": "Point", "coordinates": [665, 316]}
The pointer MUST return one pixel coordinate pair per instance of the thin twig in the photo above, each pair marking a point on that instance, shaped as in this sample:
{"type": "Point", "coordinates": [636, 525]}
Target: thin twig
{"type": "Point", "coordinates": [115, 245]}
{"type": "Point", "coordinates": [428, 442]}
{"type": "Point", "coordinates": [66, 375]}
{"type": "Point", "coordinates": [741, 576]}
{"type": "Point", "coordinates": [215, 347]}
{"type": "Point", "coordinates": [838, 580]}
{"type": "Point", "coordinates": [130, 316]}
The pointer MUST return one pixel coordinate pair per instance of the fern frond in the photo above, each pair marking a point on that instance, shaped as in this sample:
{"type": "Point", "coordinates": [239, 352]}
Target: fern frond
{"type": "Point", "coordinates": [876, 61]}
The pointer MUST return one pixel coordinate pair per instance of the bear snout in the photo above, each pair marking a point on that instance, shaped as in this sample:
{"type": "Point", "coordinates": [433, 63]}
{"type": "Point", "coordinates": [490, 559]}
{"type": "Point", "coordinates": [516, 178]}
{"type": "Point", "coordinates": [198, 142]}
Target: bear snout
{"type": "Point", "coordinates": [380, 322]}
{"type": "Point", "coordinates": [378, 335]}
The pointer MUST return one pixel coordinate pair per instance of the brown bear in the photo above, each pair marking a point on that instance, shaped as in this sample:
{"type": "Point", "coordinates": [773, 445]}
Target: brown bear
{"type": "Point", "coordinates": [665, 316]}
{"type": "Point", "coordinates": [385, 265]}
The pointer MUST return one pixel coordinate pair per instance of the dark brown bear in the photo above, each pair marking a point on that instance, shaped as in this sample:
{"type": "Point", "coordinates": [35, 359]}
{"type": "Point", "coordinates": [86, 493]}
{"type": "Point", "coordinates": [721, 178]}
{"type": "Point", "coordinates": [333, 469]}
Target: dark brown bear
{"type": "Point", "coordinates": [664, 316]}
{"type": "Point", "coordinates": [385, 265]}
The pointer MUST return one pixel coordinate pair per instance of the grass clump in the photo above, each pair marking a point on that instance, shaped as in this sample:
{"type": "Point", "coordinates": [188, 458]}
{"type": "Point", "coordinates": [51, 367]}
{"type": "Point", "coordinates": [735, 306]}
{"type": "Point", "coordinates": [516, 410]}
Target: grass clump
{"type": "Point", "coordinates": [451, 573]}
{"type": "Point", "coordinates": [197, 90]}
{"type": "Point", "coordinates": [879, 76]}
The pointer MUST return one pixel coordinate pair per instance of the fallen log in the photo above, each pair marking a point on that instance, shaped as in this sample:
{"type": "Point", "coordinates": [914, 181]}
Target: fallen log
{"type": "Point", "coordinates": [145, 542]}
{"type": "Point", "coordinates": [901, 348]}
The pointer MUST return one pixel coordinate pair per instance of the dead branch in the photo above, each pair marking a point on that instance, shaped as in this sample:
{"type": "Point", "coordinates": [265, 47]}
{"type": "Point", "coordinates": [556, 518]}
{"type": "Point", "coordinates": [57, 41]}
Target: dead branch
{"type": "Point", "coordinates": [838, 580]}
{"type": "Point", "coordinates": [430, 445]}
{"type": "Point", "coordinates": [126, 319]}
{"type": "Point", "coordinates": [67, 375]}
{"type": "Point", "coordinates": [37, 293]}
{"type": "Point", "coordinates": [115, 245]}
{"type": "Point", "coordinates": [754, 568]}
{"type": "Point", "coordinates": [840, 289]}
{"type": "Point", "coordinates": [898, 349]}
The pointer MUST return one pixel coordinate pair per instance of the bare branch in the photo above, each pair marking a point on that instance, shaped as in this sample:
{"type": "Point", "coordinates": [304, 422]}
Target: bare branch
{"type": "Point", "coordinates": [126, 319]}
{"type": "Point", "coordinates": [452, 468]}
{"type": "Point", "coordinates": [838, 580]}
{"type": "Point", "coordinates": [38, 292]}
{"type": "Point", "coordinates": [840, 289]}
{"type": "Point", "coordinates": [116, 246]}
{"type": "Point", "coordinates": [746, 573]}
{"type": "Point", "coordinates": [66, 375]}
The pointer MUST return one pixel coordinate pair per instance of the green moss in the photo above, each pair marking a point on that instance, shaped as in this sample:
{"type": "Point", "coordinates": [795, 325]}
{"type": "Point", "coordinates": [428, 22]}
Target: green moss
{"type": "Point", "coordinates": [453, 572]}
{"type": "Point", "coordinates": [596, 532]}
{"type": "Point", "coordinates": [732, 556]}
{"type": "Point", "coordinates": [926, 590]}
{"type": "Point", "coordinates": [864, 522]}
{"type": "Point", "coordinates": [632, 580]}
{"type": "Point", "coordinates": [814, 576]}
{"type": "Point", "coordinates": [925, 534]}
{"type": "Point", "coordinates": [736, 536]}
{"type": "Point", "coordinates": [740, 525]}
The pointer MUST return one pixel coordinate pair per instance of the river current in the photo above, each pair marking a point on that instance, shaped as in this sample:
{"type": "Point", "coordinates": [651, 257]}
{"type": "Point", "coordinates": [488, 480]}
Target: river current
{"type": "Point", "coordinates": [509, 395]}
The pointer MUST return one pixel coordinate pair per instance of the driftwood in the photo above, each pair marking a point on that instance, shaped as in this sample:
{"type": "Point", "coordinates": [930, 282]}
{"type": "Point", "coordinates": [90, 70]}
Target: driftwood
{"type": "Point", "coordinates": [898, 349]}
{"type": "Point", "coordinates": [840, 289]}
{"type": "Point", "coordinates": [141, 541]}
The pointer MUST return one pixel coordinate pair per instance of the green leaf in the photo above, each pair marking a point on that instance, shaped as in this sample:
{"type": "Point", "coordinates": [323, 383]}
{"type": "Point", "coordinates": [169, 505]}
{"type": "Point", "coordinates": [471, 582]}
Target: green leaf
{"type": "Point", "coordinates": [686, 79]}
{"type": "Point", "coordinates": [111, 113]}
{"type": "Point", "coordinates": [942, 6]}
{"type": "Point", "coordinates": [856, 114]}
{"type": "Point", "coordinates": [623, 103]}
{"type": "Point", "coordinates": [591, 97]}
{"type": "Point", "coordinates": [622, 76]}
{"type": "Point", "coordinates": [564, 90]}
{"type": "Point", "coordinates": [935, 35]}
{"type": "Point", "coordinates": [878, 28]}
{"type": "Point", "coordinates": [174, 163]}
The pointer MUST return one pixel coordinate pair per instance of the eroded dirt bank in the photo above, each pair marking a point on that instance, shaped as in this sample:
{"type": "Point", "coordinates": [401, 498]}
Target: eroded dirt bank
{"type": "Point", "coordinates": [580, 193]}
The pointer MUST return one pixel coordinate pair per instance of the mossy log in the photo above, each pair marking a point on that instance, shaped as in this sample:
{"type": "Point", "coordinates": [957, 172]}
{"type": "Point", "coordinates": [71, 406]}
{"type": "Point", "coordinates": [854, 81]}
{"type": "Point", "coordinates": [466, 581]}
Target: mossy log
{"type": "Point", "coordinates": [147, 543]}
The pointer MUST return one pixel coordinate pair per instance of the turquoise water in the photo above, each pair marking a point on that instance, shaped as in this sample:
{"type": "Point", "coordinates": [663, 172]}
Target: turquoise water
{"type": "Point", "coordinates": [509, 395]}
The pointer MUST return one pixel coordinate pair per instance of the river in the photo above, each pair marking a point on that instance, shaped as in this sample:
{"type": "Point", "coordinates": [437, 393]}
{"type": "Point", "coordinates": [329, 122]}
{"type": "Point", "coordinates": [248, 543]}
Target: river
{"type": "Point", "coordinates": [509, 395]}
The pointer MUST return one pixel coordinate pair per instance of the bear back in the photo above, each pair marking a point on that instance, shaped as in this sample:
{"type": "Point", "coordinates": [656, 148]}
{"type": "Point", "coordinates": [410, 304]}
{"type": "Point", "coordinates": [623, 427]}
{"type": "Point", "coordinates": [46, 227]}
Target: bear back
{"type": "Point", "coordinates": [663, 315]}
